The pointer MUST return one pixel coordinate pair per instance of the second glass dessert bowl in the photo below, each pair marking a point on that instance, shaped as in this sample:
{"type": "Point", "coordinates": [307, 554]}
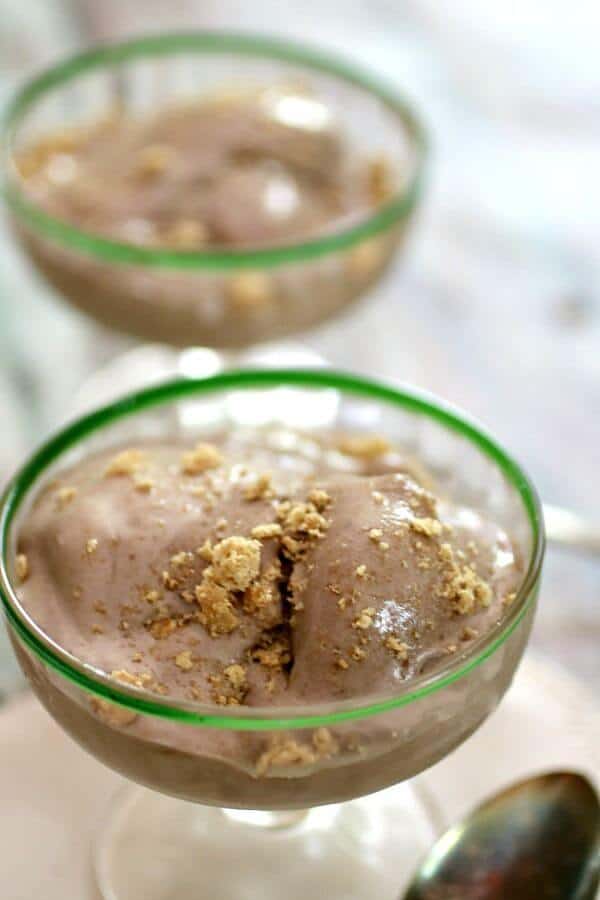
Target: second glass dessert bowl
{"type": "Point", "coordinates": [275, 766]}
{"type": "Point", "coordinates": [190, 284]}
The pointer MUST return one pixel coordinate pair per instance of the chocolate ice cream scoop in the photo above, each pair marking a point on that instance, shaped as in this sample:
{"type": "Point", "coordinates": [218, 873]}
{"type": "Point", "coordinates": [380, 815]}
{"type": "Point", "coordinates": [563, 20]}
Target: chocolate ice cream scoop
{"type": "Point", "coordinates": [240, 572]}
{"type": "Point", "coordinates": [400, 583]}
{"type": "Point", "coordinates": [251, 169]}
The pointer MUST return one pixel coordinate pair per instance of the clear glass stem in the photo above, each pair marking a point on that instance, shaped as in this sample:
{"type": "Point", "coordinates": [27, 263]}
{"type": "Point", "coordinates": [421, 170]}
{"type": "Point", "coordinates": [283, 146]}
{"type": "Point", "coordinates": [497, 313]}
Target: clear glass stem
{"type": "Point", "coordinates": [269, 821]}
{"type": "Point", "coordinates": [154, 847]}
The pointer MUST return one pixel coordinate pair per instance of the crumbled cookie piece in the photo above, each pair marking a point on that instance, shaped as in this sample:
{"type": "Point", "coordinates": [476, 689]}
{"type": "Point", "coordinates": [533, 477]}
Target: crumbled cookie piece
{"type": "Point", "coordinates": [234, 568]}
{"type": "Point", "coordinates": [266, 531]}
{"type": "Point", "coordinates": [205, 551]}
{"type": "Point", "coordinates": [469, 634]}
{"type": "Point", "coordinates": [320, 499]}
{"type": "Point", "coordinates": [217, 611]}
{"type": "Point", "coordinates": [33, 158]}
{"type": "Point", "coordinates": [184, 661]}
{"type": "Point", "coordinates": [22, 567]}
{"type": "Point", "coordinates": [162, 628]}
{"type": "Point", "coordinates": [262, 598]}
{"type": "Point", "coordinates": [127, 462]}
{"type": "Point", "coordinates": [368, 446]}
{"type": "Point", "coordinates": [259, 489]}
{"type": "Point", "coordinates": [358, 654]}
{"type": "Point", "coordinates": [365, 619]}
{"type": "Point", "coordinates": [185, 234]}
{"type": "Point", "coordinates": [251, 292]}
{"type": "Point", "coordinates": [143, 485]}
{"type": "Point", "coordinates": [64, 496]}
{"type": "Point", "coordinates": [201, 458]}
{"type": "Point", "coordinates": [181, 559]}
{"type": "Point", "coordinates": [366, 258]}
{"type": "Point", "coordinates": [125, 677]}
{"type": "Point", "coordinates": [169, 581]}
{"type": "Point", "coordinates": [446, 553]}
{"type": "Point", "coordinates": [463, 586]}
{"type": "Point", "coordinates": [324, 743]}
{"type": "Point", "coordinates": [302, 524]}
{"type": "Point", "coordinates": [236, 675]}
{"type": "Point", "coordinates": [427, 526]}
{"type": "Point", "coordinates": [235, 562]}
{"type": "Point", "coordinates": [274, 656]}
{"type": "Point", "coordinates": [91, 545]}
{"type": "Point", "coordinates": [283, 754]}
{"type": "Point", "coordinates": [224, 700]}
{"type": "Point", "coordinates": [154, 160]}
{"type": "Point", "coordinates": [380, 180]}
{"type": "Point", "coordinates": [467, 590]}
{"type": "Point", "coordinates": [361, 571]}
{"type": "Point", "coordinates": [302, 518]}
{"type": "Point", "coordinates": [398, 648]}
{"type": "Point", "coordinates": [111, 713]}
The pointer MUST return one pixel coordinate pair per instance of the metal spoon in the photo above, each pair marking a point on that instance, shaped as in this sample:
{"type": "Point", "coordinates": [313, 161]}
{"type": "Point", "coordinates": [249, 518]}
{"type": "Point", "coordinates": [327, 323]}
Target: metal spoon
{"type": "Point", "coordinates": [538, 840]}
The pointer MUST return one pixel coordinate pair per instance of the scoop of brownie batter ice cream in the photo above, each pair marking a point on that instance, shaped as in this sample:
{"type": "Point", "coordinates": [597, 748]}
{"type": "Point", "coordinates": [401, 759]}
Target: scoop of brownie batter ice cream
{"type": "Point", "coordinates": [237, 573]}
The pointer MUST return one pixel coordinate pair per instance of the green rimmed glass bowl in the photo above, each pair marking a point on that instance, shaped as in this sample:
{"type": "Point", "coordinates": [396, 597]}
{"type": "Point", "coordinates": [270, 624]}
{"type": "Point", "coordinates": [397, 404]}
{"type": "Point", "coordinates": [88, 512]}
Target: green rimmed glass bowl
{"type": "Point", "coordinates": [219, 298]}
{"type": "Point", "coordinates": [207, 754]}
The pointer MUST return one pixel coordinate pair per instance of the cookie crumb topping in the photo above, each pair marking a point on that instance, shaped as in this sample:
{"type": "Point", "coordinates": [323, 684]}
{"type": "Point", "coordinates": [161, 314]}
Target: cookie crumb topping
{"type": "Point", "coordinates": [202, 458]}
{"type": "Point", "coordinates": [127, 462]}
{"type": "Point", "coordinates": [22, 567]}
{"type": "Point", "coordinates": [184, 661]}
{"type": "Point", "coordinates": [365, 447]}
{"type": "Point", "coordinates": [365, 619]}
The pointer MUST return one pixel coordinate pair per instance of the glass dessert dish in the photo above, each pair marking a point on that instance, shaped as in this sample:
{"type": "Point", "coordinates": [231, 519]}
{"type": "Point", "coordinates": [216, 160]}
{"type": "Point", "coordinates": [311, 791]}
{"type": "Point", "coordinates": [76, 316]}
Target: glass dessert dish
{"type": "Point", "coordinates": [278, 794]}
{"type": "Point", "coordinates": [182, 291]}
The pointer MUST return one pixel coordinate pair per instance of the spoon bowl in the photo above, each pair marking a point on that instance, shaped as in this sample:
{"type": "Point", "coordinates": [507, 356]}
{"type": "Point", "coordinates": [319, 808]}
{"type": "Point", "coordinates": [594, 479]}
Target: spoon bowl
{"type": "Point", "coordinates": [537, 840]}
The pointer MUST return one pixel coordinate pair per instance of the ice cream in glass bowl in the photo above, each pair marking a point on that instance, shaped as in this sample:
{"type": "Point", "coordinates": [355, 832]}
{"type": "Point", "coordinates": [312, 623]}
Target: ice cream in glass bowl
{"type": "Point", "coordinates": [211, 189]}
{"type": "Point", "coordinates": [273, 598]}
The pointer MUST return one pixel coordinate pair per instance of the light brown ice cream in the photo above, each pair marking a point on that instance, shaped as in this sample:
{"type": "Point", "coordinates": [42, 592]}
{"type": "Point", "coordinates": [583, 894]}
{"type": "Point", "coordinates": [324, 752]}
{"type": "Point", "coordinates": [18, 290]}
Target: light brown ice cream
{"type": "Point", "coordinates": [240, 573]}
{"type": "Point", "coordinates": [229, 171]}
{"type": "Point", "coordinates": [238, 170]}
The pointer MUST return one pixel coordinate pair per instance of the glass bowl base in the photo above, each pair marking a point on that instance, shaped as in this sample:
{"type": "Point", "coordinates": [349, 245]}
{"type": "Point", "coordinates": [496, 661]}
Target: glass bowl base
{"type": "Point", "coordinates": [154, 847]}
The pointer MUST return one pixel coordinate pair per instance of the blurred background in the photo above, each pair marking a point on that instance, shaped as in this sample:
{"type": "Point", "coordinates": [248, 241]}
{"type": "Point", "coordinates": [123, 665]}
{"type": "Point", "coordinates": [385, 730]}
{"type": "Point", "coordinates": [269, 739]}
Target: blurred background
{"type": "Point", "coordinates": [496, 303]}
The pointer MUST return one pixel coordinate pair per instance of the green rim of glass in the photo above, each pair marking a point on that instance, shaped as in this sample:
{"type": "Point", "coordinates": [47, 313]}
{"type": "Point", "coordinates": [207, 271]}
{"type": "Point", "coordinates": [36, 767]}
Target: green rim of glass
{"type": "Point", "coordinates": [211, 42]}
{"type": "Point", "coordinates": [96, 682]}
